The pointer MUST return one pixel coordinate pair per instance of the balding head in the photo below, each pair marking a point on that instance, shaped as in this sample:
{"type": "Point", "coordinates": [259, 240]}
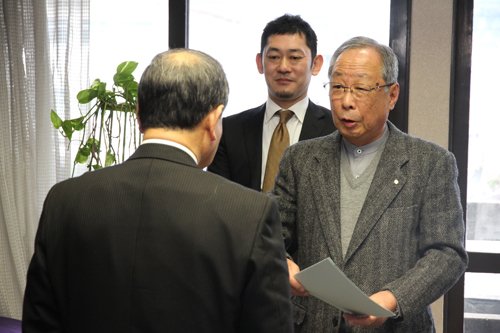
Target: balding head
{"type": "Point", "coordinates": [179, 88]}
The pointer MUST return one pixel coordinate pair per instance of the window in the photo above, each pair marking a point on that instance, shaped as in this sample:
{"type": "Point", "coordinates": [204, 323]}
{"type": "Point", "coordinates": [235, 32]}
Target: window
{"type": "Point", "coordinates": [482, 303]}
{"type": "Point", "coordinates": [230, 32]}
{"type": "Point", "coordinates": [476, 36]}
{"type": "Point", "coordinates": [483, 194]}
{"type": "Point", "coordinates": [482, 299]}
{"type": "Point", "coordinates": [122, 31]}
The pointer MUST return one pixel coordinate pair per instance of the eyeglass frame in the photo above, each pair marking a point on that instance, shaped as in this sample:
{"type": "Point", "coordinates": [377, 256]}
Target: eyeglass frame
{"type": "Point", "coordinates": [350, 87]}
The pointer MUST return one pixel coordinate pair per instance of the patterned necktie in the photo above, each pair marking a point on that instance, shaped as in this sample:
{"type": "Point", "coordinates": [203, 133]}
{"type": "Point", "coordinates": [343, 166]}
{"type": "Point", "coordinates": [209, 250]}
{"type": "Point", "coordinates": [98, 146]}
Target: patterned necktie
{"type": "Point", "coordinates": [279, 141]}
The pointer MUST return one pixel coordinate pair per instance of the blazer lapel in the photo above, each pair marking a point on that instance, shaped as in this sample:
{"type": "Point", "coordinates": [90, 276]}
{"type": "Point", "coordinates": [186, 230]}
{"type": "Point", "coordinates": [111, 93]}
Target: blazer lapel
{"type": "Point", "coordinates": [390, 177]}
{"type": "Point", "coordinates": [252, 132]}
{"type": "Point", "coordinates": [325, 186]}
{"type": "Point", "coordinates": [313, 123]}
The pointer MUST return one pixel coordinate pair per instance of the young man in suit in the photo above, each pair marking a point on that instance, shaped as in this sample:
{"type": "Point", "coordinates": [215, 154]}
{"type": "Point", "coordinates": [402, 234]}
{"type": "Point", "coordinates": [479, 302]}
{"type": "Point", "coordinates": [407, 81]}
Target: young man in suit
{"type": "Point", "coordinates": [383, 205]}
{"type": "Point", "coordinates": [156, 244]}
{"type": "Point", "coordinates": [287, 59]}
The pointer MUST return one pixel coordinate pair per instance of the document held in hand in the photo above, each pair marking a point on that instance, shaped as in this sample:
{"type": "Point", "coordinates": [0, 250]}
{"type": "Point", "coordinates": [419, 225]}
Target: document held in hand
{"type": "Point", "coordinates": [327, 282]}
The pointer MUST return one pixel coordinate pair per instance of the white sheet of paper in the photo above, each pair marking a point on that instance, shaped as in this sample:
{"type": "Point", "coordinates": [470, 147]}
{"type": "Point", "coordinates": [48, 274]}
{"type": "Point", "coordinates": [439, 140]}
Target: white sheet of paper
{"type": "Point", "coordinates": [327, 282]}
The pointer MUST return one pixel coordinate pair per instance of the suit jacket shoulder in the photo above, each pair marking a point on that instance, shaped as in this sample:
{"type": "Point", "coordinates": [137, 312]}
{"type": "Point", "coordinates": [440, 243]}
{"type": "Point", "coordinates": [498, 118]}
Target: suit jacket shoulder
{"type": "Point", "coordinates": [239, 155]}
{"type": "Point", "coordinates": [318, 121]}
{"type": "Point", "coordinates": [157, 235]}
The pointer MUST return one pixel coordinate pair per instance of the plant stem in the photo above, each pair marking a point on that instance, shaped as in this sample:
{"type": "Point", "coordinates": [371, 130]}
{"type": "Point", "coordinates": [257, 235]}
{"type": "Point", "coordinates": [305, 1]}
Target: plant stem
{"type": "Point", "coordinates": [101, 129]}
{"type": "Point", "coordinates": [124, 136]}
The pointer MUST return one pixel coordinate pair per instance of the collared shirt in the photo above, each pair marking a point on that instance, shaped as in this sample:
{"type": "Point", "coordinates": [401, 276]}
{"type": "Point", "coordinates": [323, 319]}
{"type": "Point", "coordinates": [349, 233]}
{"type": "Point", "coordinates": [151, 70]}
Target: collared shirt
{"type": "Point", "coordinates": [360, 157]}
{"type": "Point", "coordinates": [173, 144]}
{"type": "Point", "coordinates": [294, 126]}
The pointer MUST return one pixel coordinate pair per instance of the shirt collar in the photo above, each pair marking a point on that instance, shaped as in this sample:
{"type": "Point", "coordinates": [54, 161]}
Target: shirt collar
{"type": "Point", "coordinates": [370, 148]}
{"type": "Point", "coordinates": [299, 109]}
{"type": "Point", "coordinates": [173, 144]}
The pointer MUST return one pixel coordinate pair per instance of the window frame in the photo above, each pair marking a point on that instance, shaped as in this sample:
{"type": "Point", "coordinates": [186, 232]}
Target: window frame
{"type": "Point", "coordinates": [399, 40]}
{"type": "Point", "coordinates": [459, 145]}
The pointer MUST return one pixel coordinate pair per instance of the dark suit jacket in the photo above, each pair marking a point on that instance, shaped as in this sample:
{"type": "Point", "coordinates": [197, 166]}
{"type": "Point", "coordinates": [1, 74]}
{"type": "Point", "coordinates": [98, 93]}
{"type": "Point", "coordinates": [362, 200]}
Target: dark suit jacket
{"type": "Point", "coordinates": [157, 245]}
{"type": "Point", "coordinates": [409, 237]}
{"type": "Point", "coordinates": [239, 157]}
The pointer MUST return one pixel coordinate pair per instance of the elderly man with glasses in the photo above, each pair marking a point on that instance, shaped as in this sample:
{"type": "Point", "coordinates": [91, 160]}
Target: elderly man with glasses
{"type": "Point", "coordinates": [383, 205]}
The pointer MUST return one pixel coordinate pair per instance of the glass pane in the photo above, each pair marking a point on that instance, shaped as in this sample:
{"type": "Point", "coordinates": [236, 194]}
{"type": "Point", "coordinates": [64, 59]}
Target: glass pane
{"type": "Point", "coordinates": [482, 303]}
{"type": "Point", "coordinates": [125, 31]}
{"type": "Point", "coordinates": [483, 188]}
{"type": "Point", "coordinates": [230, 32]}
{"type": "Point", "coordinates": [122, 31]}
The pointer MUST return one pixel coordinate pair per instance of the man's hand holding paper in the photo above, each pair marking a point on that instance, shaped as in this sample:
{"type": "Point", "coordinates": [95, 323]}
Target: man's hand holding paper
{"type": "Point", "coordinates": [383, 298]}
{"type": "Point", "coordinates": [296, 287]}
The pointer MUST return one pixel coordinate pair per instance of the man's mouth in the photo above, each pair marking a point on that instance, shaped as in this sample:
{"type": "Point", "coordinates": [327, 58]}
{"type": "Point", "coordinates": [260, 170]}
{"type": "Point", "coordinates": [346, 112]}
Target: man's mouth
{"type": "Point", "coordinates": [348, 122]}
{"type": "Point", "coordinates": [283, 80]}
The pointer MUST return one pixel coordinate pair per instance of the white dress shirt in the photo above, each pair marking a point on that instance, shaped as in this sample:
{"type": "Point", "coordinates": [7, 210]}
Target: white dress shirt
{"type": "Point", "coordinates": [294, 126]}
{"type": "Point", "coordinates": [173, 144]}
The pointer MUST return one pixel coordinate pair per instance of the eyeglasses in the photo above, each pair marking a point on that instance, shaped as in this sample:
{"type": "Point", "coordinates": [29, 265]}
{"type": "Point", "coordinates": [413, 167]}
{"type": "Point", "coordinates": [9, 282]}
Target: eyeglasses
{"type": "Point", "coordinates": [358, 90]}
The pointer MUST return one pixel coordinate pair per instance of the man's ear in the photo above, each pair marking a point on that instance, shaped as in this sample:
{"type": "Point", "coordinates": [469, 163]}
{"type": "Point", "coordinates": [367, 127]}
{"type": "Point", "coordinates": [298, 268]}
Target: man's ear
{"type": "Point", "coordinates": [260, 66]}
{"type": "Point", "coordinates": [394, 95]}
{"type": "Point", "coordinates": [138, 120]}
{"type": "Point", "coordinates": [213, 119]}
{"type": "Point", "coordinates": [317, 64]}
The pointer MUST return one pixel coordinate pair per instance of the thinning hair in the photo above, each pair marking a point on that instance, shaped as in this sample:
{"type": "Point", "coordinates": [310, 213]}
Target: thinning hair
{"type": "Point", "coordinates": [389, 69]}
{"type": "Point", "coordinates": [179, 88]}
{"type": "Point", "coordinates": [290, 25]}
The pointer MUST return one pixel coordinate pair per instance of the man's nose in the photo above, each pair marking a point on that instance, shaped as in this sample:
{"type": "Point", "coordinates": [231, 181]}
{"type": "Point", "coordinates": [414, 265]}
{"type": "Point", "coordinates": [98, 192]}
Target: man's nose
{"type": "Point", "coordinates": [348, 100]}
{"type": "Point", "coordinates": [284, 65]}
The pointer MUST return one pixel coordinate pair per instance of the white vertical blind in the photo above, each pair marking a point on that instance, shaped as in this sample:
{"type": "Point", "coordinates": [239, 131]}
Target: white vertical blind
{"type": "Point", "coordinates": [43, 64]}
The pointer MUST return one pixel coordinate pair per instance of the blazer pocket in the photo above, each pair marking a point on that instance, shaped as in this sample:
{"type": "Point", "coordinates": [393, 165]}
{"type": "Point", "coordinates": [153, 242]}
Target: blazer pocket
{"type": "Point", "coordinates": [299, 311]}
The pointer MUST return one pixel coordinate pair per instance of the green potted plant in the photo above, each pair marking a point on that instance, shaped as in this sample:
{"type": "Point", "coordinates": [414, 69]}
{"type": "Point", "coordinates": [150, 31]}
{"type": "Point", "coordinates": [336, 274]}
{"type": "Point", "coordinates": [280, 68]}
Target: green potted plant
{"type": "Point", "coordinates": [105, 124]}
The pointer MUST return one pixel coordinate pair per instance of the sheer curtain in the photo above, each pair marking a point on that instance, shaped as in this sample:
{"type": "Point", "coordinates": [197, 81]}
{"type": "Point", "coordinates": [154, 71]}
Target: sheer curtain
{"type": "Point", "coordinates": [43, 64]}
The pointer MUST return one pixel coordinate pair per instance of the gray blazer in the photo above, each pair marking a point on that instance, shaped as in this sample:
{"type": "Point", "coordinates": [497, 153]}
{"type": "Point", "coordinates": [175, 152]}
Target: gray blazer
{"type": "Point", "coordinates": [409, 237]}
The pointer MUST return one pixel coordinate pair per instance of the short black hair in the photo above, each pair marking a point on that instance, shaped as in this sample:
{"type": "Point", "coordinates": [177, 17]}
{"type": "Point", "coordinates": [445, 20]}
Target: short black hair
{"type": "Point", "coordinates": [290, 25]}
{"type": "Point", "coordinates": [179, 92]}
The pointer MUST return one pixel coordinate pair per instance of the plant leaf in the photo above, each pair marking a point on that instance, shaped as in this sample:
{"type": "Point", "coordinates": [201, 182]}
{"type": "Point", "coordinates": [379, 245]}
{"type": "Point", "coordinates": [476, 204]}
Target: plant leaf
{"type": "Point", "coordinates": [109, 97]}
{"type": "Point", "coordinates": [110, 158]}
{"type": "Point", "coordinates": [94, 147]}
{"type": "Point", "coordinates": [90, 141]}
{"type": "Point", "coordinates": [83, 155]}
{"type": "Point", "coordinates": [56, 120]}
{"type": "Point", "coordinates": [68, 128]}
{"type": "Point", "coordinates": [96, 166]}
{"type": "Point", "coordinates": [95, 85]}
{"type": "Point", "coordinates": [77, 123]}
{"type": "Point", "coordinates": [102, 90]}
{"type": "Point", "coordinates": [126, 67]}
{"type": "Point", "coordinates": [85, 151]}
{"type": "Point", "coordinates": [85, 96]}
{"type": "Point", "coordinates": [130, 85]}
{"type": "Point", "coordinates": [120, 79]}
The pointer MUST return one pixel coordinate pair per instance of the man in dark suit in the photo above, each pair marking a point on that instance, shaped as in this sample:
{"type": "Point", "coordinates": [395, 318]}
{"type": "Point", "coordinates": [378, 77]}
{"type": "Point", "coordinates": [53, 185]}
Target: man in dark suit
{"type": "Point", "coordinates": [156, 244]}
{"type": "Point", "coordinates": [383, 205]}
{"type": "Point", "coordinates": [287, 59]}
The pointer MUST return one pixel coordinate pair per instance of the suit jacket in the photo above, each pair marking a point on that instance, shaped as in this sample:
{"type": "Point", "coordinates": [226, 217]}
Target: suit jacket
{"type": "Point", "coordinates": [409, 238]}
{"type": "Point", "coordinates": [157, 245]}
{"type": "Point", "coordinates": [239, 156]}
